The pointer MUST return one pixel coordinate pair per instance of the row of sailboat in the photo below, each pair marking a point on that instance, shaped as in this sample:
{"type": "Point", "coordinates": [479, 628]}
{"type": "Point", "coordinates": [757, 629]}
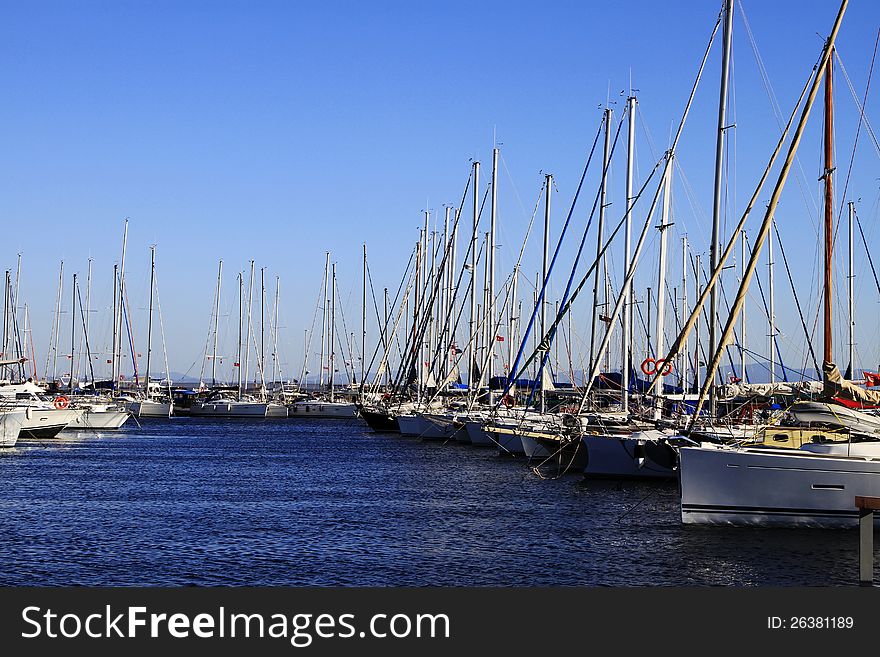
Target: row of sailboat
{"type": "Point", "coordinates": [780, 453]}
{"type": "Point", "coordinates": [462, 359]}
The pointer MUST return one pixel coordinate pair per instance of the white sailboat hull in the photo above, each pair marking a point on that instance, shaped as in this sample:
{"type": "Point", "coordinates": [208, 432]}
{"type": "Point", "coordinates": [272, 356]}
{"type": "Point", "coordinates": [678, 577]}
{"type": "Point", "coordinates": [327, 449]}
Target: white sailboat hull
{"type": "Point", "coordinates": [756, 486]}
{"type": "Point", "coordinates": [477, 435]}
{"type": "Point", "coordinates": [228, 409]}
{"type": "Point", "coordinates": [321, 409]}
{"type": "Point", "coordinates": [622, 457]}
{"type": "Point", "coordinates": [10, 426]}
{"type": "Point", "coordinates": [150, 408]}
{"type": "Point", "coordinates": [47, 422]}
{"type": "Point", "coordinates": [110, 419]}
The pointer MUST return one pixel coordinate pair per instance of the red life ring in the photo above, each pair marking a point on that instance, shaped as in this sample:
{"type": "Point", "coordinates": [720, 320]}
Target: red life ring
{"type": "Point", "coordinates": [507, 400]}
{"type": "Point", "coordinates": [646, 366]}
{"type": "Point", "coordinates": [661, 362]}
{"type": "Point", "coordinates": [61, 402]}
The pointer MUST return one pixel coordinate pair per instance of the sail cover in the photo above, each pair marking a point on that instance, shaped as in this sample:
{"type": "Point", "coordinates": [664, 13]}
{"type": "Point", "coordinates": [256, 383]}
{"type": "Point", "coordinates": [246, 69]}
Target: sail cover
{"type": "Point", "coordinates": [835, 386]}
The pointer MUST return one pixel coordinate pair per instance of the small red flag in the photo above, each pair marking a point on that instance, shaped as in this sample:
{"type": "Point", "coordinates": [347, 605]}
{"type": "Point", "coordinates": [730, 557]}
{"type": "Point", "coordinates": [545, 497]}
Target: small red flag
{"type": "Point", "coordinates": [499, 338]}
{"type": "Point", "coordinates": [236, 365]}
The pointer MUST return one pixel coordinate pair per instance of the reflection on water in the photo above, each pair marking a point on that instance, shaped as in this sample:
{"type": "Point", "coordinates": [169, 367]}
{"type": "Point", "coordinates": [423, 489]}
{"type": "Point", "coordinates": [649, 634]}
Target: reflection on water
{"type": "Point", "coordinates": [321, 502]}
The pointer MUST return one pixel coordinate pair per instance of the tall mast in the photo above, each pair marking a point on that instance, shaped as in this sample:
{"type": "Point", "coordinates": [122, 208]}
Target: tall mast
{"type": "Point", "coordinates": [88, 309]}
{"type": "Point", "coordinates": [115, 310]}
{"type": "Point", "coordinates": [423, 305]}
{"type": "Point", "coordinates": [443, 311]}
{"type": "Point", "coordinates": [150, 318]}
{"type": "Point", "coordinates": [626, 342]}
{"type": "Point", "coordinates": [247, 343]}
{"type": "Point", "coordinates": [771, 293]}
{"type": "Point", "coordinates": [216, 322]}
{"type": "Point", "coordinates": [719, 166]}
{"type": "Point", "coordinates": [364, 321]}
{"type": "Point", "coordinates": [385, 340]}
{"type": "Point", "coordinates": [742, 327]}
{"type": "Point", "coordinates": [238, 361]}
{"type": "Point", "coordinates": [698, 290]}
{"type": "Point", "coordinates": [332, 330]}
{"type": "Point", "coordinates": [600, 235]}
{"type": "Point", "coordinates": [471, 349]}
{"type": "Point", "coordinates": [275, 332]}
{"type": "Point", "coordinates": [57, 324]}
{"type": "Point", "coordinates": [545, 259]}
{"type": "Point", "coordinates": [72, 330]}
{"type": "Point", "coordinates": [262, 362]}
{"type": "Point", "coordinates": [852, 313]}
{"type": "Point", "coordinates": [324, 318]}
{"type": "Point", "coordinates": [119, 308]}
{"type": "Point", "coordinates": [828, 355]}
{"type": "Point", "coordinates": [661, 280]}
{"type": "Point", "coordinates": [683, 360]}
{"type": "Point", "coordinates": [490, 301]}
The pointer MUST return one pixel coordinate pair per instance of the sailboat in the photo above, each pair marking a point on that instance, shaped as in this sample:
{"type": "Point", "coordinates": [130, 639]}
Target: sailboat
{"type": "Point", "coordinates": [231, 402]}
{"type": "Point", "coordinates": [814, 484]}
{"type": "Point", "coordinates": [153, 402]}
{"type": "Point", "coordinates": [329, 407]}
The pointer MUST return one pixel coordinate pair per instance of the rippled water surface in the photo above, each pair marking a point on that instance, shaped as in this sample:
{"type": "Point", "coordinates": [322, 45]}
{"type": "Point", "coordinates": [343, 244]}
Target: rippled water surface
{"type": "Point", "coordinates": [326, 502]}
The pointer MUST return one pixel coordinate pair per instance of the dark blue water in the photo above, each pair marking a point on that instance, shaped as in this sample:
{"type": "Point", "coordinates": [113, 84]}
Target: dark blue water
{"type": "Point", "coordinates": [311, 502]}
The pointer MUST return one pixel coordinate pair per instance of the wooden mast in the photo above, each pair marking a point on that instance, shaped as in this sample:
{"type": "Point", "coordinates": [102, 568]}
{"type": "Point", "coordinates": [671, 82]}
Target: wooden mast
{"type": "Point", "coordinates": [828, 356]}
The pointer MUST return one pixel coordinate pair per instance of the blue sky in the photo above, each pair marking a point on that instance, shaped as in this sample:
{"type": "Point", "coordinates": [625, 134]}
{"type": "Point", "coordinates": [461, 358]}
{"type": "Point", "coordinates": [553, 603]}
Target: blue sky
{"type": "Point", "coordinates": [276, 131]}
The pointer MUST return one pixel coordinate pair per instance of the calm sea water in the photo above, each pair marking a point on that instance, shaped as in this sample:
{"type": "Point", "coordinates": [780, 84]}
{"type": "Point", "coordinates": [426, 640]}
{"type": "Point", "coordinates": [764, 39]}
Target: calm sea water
{"type": "Point", "coordinates": [322, 502]}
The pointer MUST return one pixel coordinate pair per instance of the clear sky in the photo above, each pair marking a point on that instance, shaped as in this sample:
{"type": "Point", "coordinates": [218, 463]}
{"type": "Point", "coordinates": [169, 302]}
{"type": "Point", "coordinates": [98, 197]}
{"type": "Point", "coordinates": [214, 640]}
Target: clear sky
{"type": "Point", "coordinates": [277, 131]}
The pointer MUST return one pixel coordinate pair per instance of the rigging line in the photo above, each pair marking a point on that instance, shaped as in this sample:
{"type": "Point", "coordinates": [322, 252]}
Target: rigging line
{"type": "Point", "coordinates": [419, 330]}
{"type": "Point", "coordinates": [440, 348]}
{"type": "Point", "coordinates": [319, 303]}
{"type": "Point", "coordinates": [541, 295]}
{"type": "Point", "coordinates": [867, 250]}
{"type": "Point", "coordinates": [86, 335]}
{"type": "Point", "coordinates": [796, 300]}
{"type": "Point", "coordinates": [682, 338]}
{"type": "Point", "coordinates": [862, 118]}
{"type": "Point", "coordinates": [583, 243]}
{"type": "Point", "coordinates": [567, 306]}
{"type": "Point", "coordinates": [162, 331]}
{"type": "Point", "coordinates": [800, 176]}
{"type": "Point", "coordinates": [771, 320]}
{"type": "Point", "coordinates": [718, 320]}
{"type": "Point", "coordinates": [859, 105]}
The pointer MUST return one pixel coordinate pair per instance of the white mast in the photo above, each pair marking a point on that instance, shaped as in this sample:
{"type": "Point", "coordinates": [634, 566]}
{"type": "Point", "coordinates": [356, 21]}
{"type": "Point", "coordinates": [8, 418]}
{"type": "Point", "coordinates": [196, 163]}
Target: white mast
{"type": "Point", "coordinates": [240, 298]}
{"type": "Point", "coordinates": [742, 329]}
{"type": "Point", "coordinates": [852, 312]}
{"type": "Point", "coordinates": [57, 324]}
{"type": "Point", "coordinates": [364, 322]}
{"type": "Point", "coordinates": [772, 332]}
{"type": "Point", "coordinates": [247, 344]}
{"type": "Point", "coordinates": [490, 301]}
{"type": "Point", "coordinates": [545, 259]}
{"type": "Point", "coordinates": [324, 318]}
{"type": "Point", "coordinates": [332, 355]}
{"type": "Point", "coordinates": [661, 283]}
{"type": "Point", "coordinates": [472, 346]}
{"type": "Point", "coordinates": [275, 366]}
{"type": "Point", "coordinates": [600, 235]}
{"type": "Point", "coordinates": [120, 308]}
{"type": "Point", "coordinates": [719, 164]}
{"type": "Point", "coordinates": [150, 319]}
{"type": "Point", "coordinates": [72, 330]}
{"type": "Point", "coordinates": [626, 343]}
{"type": "Point", "coordinates": [216, 321]}
{"type": "Point", "coordinates": [682, 354]}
